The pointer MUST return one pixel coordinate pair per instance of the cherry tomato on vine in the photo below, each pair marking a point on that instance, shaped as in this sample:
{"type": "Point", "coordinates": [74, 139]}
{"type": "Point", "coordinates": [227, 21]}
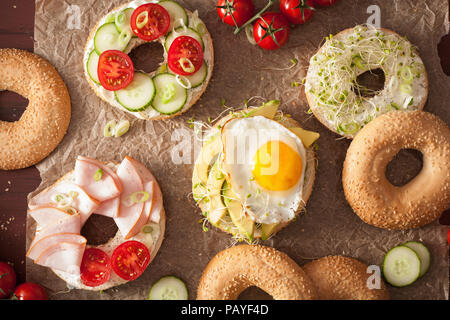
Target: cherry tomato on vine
{"type": "Point", "coordinates": [240, 10]}
{"type": "Point", "coordinates": [325, 3]}
{"type": "Point", "coordinates": [29, 291]}
{"type": "Point", "coordinates": [271, 30]}
{"type": "Point", "coordinates": [7, 280]}
{"type": "Point", "coordinates": [297, 11]}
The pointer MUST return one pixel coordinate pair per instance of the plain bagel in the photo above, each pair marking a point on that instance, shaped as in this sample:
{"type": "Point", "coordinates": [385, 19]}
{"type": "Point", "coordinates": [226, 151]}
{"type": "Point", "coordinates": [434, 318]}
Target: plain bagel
{"type": "Point", "coordinates": [45, 121]}
{"type": "Point", "coordinates": [343, 278]}
{"type": "Point", "coordinates": [235, 269]}
{"type": "Point", "coordinates": [373, 198]}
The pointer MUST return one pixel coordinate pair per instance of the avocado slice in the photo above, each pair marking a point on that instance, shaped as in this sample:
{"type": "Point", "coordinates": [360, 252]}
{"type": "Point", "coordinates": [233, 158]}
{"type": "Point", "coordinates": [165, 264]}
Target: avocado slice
{"type": "Point", "coordinates": [268, 110]}
{"type": "Point", "coordinates": [245, 225]}
{"type": "Point", "coordinates": [215, 182]}
{"type": "Point", "coordinates": [267, 230]}
{"type": "Point", "coordinates": [210, 150]}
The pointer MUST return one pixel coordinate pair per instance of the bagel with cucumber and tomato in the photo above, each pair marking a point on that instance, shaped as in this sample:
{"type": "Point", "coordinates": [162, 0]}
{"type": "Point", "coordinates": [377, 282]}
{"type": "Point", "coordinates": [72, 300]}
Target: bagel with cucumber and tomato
{"type": "Point", "coordinates": [180, 79]}
{"type": "Point", "coordinates": [126, 192]}
{"type": "Point", "coordinates": [255, 172]}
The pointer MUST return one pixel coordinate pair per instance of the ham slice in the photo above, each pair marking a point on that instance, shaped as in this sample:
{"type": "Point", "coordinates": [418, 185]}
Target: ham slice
{"type": "Point", "coordinates": [105, 168]}
{"type": "Point", "coordinates": [68, 224]}
{"type": "Point", "coordinates": [102, 189]}
{"type": "Point", "coordinates": [132, 182]}
{"type": "Point", "coordinates": [63, 256]}
{"type": "Point", "coordinates": [46, 215]}
{"type": "Point", "coordinates": [109, 208]}
{"type": "Point", "coordinates": [82, 202]}
{"type": "Point", "coordinates": [157, 200]}
{"type": "Point", "coordinates": [46, 242]}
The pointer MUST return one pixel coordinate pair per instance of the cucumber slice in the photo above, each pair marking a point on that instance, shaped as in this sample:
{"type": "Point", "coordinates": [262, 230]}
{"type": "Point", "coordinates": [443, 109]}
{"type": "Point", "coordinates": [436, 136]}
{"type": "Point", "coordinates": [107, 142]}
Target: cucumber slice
{"type": "Point", "coordinates": [92, 65]}
{"type": "Point", "coordinates": [168, 288]}
{"type": "Point", "coordinates": [108, 38]}
{"type": "Point", "coordinates": [138, 95]}
{"type": "Point", "coordinates": [423, 253]}
{"type": "Point", "coordinates": [122, 20]}
{"type": "Point", "coordinates": [170, 96]}
{"type": "Point", "coordinates": [178, 16]}
{"type": "Point", "coordinates": [401, 266]}
{"type": "Point", "coordinates": [182, 31]}
{"type": "Point", "coordinates": [197, 78]}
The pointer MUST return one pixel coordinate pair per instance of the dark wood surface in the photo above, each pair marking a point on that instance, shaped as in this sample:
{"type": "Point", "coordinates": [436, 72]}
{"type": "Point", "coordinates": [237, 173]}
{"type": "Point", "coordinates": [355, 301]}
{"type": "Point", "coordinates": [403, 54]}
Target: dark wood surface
{"type": "Point", "coordinates": [16, 31]}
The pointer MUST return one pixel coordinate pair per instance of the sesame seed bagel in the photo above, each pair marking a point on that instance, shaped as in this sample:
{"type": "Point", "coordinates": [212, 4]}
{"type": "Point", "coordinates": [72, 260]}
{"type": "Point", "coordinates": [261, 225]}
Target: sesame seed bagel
{"type": "Point", "coordinates": [150, 113]}
{"type": "Point", "coordinates": [343, 278]}
{"type": "Point", "coordinates": [235, 269]}
{"type": "Point", "coordinates": [45, 121]}
{"type": "Point", "coordinates": [373, 198]}
{"type": "Point", "coordinates": [332, 90]}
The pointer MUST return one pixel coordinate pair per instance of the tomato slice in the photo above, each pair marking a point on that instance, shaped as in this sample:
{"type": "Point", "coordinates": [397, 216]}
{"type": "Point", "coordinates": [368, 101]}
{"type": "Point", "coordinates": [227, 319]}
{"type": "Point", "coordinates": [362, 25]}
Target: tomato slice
{"type": "Point", "coordinates": [150, 21]}
{"type": "Point", "coordinates": [115, 70]}
{"type": "Point", "coordinates": [130, 259]}
{"type": "Point", "coordinates": [185, 56]}
{"type": "Point", "coordinates": [95, 267]}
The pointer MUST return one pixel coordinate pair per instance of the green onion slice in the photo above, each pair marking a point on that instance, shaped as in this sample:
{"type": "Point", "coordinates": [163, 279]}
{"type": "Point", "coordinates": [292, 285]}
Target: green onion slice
{"type": "Point", "coordinates": [406, 74]}
{"type": "Point", "coordinates": [98, 175]}
{"type": "Point", "coordinates": [136, 197]}
{"type": "Point", "coordinates": [147, 229]}
{"type": "Point", "coordinates": [142, 19]}
{"type": "Point", "coordinates": [168, 92]}
{"type": "Point", "coordinates": [406, 88]}
{"type": "Point", "coordinates": [190, 66]}
{"type": "Point", "coordinates": [121, 128]}
{"type": "Point", "coordinates": [109, 128]}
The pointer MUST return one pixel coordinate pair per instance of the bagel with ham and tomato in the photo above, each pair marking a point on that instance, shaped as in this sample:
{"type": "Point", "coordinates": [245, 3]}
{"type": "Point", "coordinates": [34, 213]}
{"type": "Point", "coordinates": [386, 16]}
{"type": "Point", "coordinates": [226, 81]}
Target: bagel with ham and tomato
{"type": "Point", "coordinates": [126, 192]}
{"type": "Point", "coordinates": [180, 79]}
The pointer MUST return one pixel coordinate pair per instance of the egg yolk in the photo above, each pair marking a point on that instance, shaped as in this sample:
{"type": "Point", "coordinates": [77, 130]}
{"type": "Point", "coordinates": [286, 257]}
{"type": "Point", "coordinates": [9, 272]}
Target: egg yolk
{"type": "Point", "coordinates": [276, 166]}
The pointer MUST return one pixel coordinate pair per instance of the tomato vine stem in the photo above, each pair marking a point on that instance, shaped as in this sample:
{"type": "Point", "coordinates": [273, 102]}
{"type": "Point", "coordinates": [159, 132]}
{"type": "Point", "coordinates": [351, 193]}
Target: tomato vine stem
{"type": "Point", "coordinates": [256, 16]}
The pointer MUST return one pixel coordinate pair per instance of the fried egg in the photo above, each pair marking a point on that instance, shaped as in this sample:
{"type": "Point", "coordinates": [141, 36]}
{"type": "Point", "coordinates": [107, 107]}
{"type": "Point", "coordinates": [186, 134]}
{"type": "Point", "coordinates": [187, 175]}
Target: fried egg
{"type": "Point", "coordinates": [265, 164]}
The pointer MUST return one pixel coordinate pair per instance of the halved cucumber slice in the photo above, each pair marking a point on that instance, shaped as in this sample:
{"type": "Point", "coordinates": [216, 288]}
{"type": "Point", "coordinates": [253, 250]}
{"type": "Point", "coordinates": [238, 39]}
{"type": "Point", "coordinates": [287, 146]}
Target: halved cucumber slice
{"type": "Point", "coordinates": [138, 95]}
{"type": "Point", "coordinates": [108, 38]}
{"type": "Point", "coordinates": [182, 31]}
{"type": "Point", "coordinates": [92, 65]}
{"type": "Point", "coordinates": [423, 253]}
{"type": "Point", "coordinates": [197, 78]}
{"type": "Point", "coordinates": [401, 266]}
{"type": "Point", "coordinates": [178, 16]}
{"type": "Point", "coordinates": [170, 96]}
{"type": "Point", "coordinates": [122, 20]}
{"type": "Point", "coordinates": [168, 288]}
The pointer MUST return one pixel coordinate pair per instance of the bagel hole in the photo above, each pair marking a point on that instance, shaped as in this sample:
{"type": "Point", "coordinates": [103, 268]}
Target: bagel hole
{"type": "Point", "coordinates": [254, 293]}
{"type": "Point", "coordinates": [147, 57]}
{"type": "Point", "coordinates": [98, 229]}
{"type": "Point", "coordinates": [406, 165]}
{"type": "Point", "coordinates": [369, 83]}
{"type": "Point", "coordinates": [12, 106]}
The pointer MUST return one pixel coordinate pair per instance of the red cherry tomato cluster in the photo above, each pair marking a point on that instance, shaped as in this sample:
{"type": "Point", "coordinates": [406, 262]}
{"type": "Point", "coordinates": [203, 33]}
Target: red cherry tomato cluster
{"type": "Point", "coordinates": [270, 29]}
{"type": "Point", "coordinates": [24, 291]}
{"type": "Point", "coordinates": [149, 22]}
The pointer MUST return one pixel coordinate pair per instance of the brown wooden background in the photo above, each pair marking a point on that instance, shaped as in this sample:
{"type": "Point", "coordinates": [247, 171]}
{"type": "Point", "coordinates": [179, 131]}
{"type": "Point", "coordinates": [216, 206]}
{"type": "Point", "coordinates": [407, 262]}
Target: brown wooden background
{"type": "Point", "coordinates": [16, 31]}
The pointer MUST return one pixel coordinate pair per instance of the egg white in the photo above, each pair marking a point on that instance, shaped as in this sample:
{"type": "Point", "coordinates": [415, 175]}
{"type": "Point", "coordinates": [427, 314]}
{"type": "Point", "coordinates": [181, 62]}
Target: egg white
{"type": "Point", "coordinates": [241, 138]}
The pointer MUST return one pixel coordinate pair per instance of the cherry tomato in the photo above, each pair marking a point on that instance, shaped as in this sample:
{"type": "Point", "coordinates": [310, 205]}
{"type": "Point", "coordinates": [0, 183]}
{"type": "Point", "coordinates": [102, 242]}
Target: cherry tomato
{"type": "Point", "coordinates": [185, 56]}
{"type": "Point", "coordinates": [7, 280]}
{"type": "Point", "coordinates": [240, 10]}
{"type": "Point", "coordinates": [115, 70]}
{"type": "Point", "coordinates": [130, 259]}
{"type": "Point", "coordinates": [325, 3]}
{"type": "Point", "coordinates": [150, 21]}
{"type": "Point", "coordinates": [297, 11]}
{"type": "Point", "coordinates": [271, 31]}
{"type": "Point", "coordinates": [95, 267]}
{"type": "Point", "coordinates": [29, 291]}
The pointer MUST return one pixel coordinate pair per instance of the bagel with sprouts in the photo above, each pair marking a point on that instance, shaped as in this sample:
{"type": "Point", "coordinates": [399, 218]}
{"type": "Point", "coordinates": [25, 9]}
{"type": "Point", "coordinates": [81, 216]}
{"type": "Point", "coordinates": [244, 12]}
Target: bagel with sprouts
{"type": "Point", "coordinates": [332, 89]}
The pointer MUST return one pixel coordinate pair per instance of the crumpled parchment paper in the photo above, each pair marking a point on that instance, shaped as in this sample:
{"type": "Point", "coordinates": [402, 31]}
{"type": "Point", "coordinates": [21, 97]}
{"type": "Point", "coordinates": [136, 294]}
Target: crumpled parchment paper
{"type": "Point", "coordinates": [242, 71]}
